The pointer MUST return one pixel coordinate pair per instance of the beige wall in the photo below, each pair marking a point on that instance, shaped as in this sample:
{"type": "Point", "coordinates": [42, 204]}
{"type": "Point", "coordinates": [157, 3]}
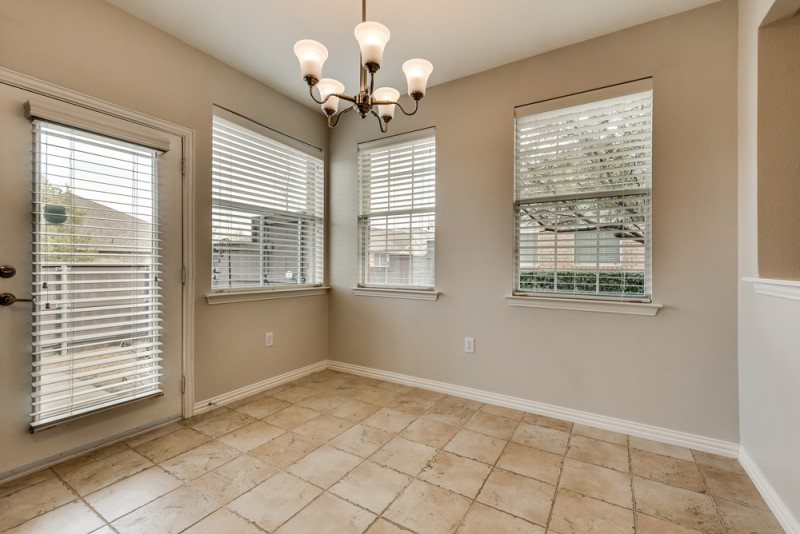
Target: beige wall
{"type": "Point", "coordinates": [779, 150]}
{"type": "Point", "coordinates": [677, 370]}
{"type": "Point", "coordinates": [769, 368]}
{"type": "Point", "coordinates": [94, 48]}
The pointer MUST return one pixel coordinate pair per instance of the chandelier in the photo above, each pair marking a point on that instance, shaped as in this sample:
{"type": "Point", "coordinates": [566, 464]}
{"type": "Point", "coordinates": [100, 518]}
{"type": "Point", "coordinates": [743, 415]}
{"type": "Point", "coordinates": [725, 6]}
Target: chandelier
{"type": "Point", "coordinates": [372, 38]}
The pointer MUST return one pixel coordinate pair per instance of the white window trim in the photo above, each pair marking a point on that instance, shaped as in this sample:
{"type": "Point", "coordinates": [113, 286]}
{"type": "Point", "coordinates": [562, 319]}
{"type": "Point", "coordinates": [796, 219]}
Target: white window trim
{"type": "Point", "coordinates": [228, 296]}
{"type": "Point", "coordinates": [49, 90]}
{"type": "Point", "coordinates": [397, 293]}
{"type": "Point", "coordinates": [71, 115]}
{"type": "Point", "coordinates": [602, 306]}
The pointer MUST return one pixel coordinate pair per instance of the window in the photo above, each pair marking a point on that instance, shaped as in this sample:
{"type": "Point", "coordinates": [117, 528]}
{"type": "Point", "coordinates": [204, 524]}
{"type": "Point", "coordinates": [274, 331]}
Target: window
{"type": "Point", "coordinates": [267, 207]}
{"type": "Point", "coordinates": [582, 195]}
{"type": "Point", "coordinates": [97, 313]}
{"type": "Point", "coordinates": [397, 211]}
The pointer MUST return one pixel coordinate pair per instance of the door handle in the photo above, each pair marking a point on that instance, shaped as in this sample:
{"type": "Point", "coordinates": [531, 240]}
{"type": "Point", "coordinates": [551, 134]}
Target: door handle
{"type": "Point", "coordinates": [7, 271]}
{"type": "Point", "coordinates": [7, 299]}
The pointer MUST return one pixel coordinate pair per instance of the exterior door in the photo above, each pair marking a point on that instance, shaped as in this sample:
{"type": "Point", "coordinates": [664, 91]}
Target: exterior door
{"type": "Point", "coordinates": [92, 222]}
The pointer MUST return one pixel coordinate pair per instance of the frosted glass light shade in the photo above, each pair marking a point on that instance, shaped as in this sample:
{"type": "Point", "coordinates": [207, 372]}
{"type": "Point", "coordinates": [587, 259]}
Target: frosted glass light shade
{"type": "Point", "coordinates": [372, 38]}
{"type": "Point", "coordinates": [417, 72]}
{"type": "Point", "coordinates": [311, 56]}
{"type": "Point", "coordinates": [388, 94]}
{"type": "Point", "coordinates": [329, 86]}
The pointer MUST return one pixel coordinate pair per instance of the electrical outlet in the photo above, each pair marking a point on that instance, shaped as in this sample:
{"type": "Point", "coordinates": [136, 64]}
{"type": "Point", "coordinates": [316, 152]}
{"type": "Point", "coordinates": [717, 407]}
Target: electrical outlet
{"type": "Point", "coordinates": [268, 339]}
{"type": "Point", "coordinates": [469, 345]}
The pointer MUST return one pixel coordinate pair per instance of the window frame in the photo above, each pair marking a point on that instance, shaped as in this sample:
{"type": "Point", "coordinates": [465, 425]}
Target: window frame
{"type": "Point", "coordinates": [316, 222]}
{"type": "Point", "coordinates": [605, 301]}
{"type": "Point", "coordinates": [363, 287]}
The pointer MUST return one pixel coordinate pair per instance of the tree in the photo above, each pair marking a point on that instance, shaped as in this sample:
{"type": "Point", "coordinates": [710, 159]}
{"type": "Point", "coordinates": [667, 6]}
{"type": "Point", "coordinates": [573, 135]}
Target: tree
{"type": "Point", "coordinates": [67, 242]}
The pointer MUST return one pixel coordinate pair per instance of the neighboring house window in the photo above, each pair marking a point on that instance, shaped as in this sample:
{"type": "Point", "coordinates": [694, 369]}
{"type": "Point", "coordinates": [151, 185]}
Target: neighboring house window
{"type": "Point", "coordinates": [528, 247]}
{"type": "Point", "coordinates": [582, 195]}
{"type": "Point", "coordinates": [397, 211]}
{"type": "Point", "coordinates": [594, 246]}
{"type": "Point", "coordinates": [267, 207]}
{"type": "Point", "coordinates": [96, 263]}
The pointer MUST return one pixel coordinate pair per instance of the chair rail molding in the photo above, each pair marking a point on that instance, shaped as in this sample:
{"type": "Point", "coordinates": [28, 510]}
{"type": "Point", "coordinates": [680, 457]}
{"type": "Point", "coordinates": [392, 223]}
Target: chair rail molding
{"type": "Point", "coordinates": [786, 289]}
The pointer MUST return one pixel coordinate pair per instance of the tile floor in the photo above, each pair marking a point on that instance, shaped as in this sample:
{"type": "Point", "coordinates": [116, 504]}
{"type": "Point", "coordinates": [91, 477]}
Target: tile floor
{"type": "Point", "coordinates": [336, 453]}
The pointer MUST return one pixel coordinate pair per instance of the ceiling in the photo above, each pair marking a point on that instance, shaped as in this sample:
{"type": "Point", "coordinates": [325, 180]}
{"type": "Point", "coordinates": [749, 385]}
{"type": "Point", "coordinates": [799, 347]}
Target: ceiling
{"type": "Point", "coordinates": [460, 37]}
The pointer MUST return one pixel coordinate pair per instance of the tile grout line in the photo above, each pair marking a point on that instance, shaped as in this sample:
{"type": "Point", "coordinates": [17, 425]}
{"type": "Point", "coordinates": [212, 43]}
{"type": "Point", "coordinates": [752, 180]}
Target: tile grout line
{"type": "Point", "coordinates": [495, 466]}
{"type": "Point", "coordinates": [80, 497]}
{"type": "Point", "coordinates": [234, 512]}
{"type": "Point", "coordinates": [324, 491]}
{"type": "Point", "coordinates": [558, 481]}
{"type": "Point", "coordinates": [380, 515]}
{"type": "Point", "coordinates": [414, 477]}
{"type": "Point", "coordinates": [633, 491]}
{"type": "Point", "coordinates": [708, 492]}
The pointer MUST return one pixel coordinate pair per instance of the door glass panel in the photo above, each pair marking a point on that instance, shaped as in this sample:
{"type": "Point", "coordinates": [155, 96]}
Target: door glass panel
{"type": "Point", "coordinates": [97, 310]}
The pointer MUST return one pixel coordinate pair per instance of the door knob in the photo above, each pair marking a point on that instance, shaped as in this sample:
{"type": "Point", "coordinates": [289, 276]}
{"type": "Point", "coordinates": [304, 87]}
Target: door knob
{"type": "Point", "coordinates": [7, 271]}
{"type": "Point", "coordinates": [7, 299]}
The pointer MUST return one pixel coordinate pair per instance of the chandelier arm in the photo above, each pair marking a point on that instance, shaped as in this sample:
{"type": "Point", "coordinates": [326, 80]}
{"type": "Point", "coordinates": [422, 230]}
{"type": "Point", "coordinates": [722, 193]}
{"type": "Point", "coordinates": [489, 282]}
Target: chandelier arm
{"type": "Point", "coordinates": [333, 120]}
{"type": "Point", "coordinates": [384, 125]}
{"type": "Point", "coordinates": [314, 98]}
{"type": "Point", "coordinates": [416, 107]}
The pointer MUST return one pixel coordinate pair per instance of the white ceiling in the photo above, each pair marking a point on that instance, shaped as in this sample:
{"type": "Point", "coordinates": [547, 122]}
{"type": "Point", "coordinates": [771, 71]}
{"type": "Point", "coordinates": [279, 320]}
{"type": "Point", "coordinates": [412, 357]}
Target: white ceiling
{"type": "Point", "coordinates": [460, 37]}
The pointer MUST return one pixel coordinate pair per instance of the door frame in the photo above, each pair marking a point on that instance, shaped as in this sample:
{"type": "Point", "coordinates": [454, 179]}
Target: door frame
{"type": "Point", "coordinates": [47, 89]}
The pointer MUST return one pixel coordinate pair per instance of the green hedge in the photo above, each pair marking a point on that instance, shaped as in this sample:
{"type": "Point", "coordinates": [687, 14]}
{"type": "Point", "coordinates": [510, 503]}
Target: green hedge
{"type": "Point", "coordinates": [611, 282]}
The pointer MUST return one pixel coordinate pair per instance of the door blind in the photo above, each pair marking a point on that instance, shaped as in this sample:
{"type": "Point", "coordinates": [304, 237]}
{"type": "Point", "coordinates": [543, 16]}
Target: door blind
{"type": "Point", "coordinates": [583, 177]}
{"type": "Point", "coordinates": [397, 211]}
{"type": "Point", "coordinates": [97, 299]}
{"type": "Point", "coordinates": [267, 209]}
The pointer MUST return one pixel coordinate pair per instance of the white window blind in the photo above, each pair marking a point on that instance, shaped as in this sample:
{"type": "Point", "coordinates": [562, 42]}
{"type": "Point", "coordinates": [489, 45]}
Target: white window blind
{"type": "Point", "coordinates": [582, 198]}
{"type": "Point", "coordinates": [97, 308]}
{"type": "Point", "coordinates": [397, 211]}
{"type": "Point", "coordinates": [267, 208]}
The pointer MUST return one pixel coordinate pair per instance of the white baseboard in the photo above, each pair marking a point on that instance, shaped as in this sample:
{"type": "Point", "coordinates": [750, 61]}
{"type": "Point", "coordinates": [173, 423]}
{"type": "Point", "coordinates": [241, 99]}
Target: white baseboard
{"type": "Point", "coordinates": [674, 437]}
{"type": "Point", "coordinates": [241, 393]}
{"type": "Point", "coordinates": [664, 435]}
{"type": "Point", "coordinates": [785, 517]}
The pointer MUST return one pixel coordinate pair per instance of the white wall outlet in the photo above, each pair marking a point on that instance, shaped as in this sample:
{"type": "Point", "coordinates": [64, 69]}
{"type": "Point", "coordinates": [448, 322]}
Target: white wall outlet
{"type": "Point", "coordinates": [469, 345]}
{"type": "Point", "coordinates": [268, 339]}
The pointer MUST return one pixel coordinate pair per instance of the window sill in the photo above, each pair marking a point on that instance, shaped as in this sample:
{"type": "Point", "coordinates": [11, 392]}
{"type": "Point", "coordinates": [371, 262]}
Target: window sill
{"type": "Point", "coordinates": [787, 289]}
{"type": "Point", "coordinates": [601, 306]}
{"type": "Point", "coordinates": [391, 293]}
{"type": "Point", "coordinates": [227, 296]}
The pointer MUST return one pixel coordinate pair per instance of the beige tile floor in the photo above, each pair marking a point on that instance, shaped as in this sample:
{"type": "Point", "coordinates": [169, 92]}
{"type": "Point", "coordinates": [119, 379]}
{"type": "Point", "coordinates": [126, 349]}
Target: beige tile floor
{"type": "Point", "coordinates": [336, 453]}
